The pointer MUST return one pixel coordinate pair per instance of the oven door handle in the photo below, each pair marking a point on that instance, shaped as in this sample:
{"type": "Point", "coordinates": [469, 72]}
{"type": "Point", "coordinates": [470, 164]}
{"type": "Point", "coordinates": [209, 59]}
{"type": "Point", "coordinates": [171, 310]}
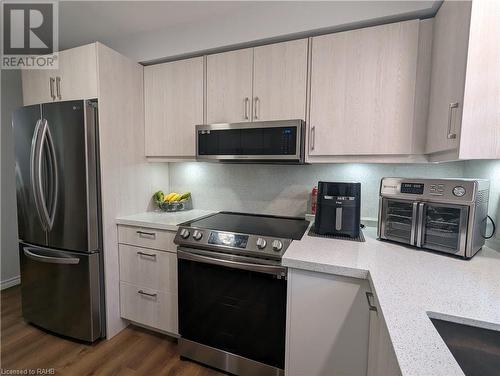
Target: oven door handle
{"type": "Point", "coordinates": [267, 269]}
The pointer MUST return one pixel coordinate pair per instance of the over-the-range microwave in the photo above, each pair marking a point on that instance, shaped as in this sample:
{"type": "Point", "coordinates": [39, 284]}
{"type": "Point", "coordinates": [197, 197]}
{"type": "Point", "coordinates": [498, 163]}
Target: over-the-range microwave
{"type": "Point", "coordinates": [278, 141]}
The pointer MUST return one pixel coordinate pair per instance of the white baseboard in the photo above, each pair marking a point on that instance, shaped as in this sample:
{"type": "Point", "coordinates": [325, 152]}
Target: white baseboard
{"type": "Point", "coordinates": [10, 282]}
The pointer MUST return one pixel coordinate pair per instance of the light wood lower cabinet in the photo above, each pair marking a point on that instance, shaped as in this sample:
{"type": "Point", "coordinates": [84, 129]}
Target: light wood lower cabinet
{"type": "Point", "coordinates": [327, 325]}
{"type": "Point", "coordinates": [148, 277]}
{"type": "Point", "coordinates": [147, 237]}
{"type": "Point", "coordinates": [148, 267]}
{"type": "Point", "coordinates": [150, 307]}
{"type": "Point", "coordinates": [382, 360]}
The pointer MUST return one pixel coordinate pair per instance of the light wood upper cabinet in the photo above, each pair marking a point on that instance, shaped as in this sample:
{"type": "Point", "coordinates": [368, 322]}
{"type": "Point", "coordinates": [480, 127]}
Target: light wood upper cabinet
{"type": "Point", "coordinates": [173, 99]}
{"type": "Point", "coordinates": [449, 59]}
{"type": "Point", "coordinates": [464, 115]}
{"type": "Point", "coordinates": [38, 86]}
{"type": "Point", "coordinates": [279, 87]}
{"type": "Point", "coordinates": [75, 78]}
{"type": "Point", "coordinates": [229, 86]}
{"type": "Point", "coordinates": [481, 114]}
{"type": "Point", "coordinates": [77, 73]}
{"type": "Point", "coordinates": [363, 91]}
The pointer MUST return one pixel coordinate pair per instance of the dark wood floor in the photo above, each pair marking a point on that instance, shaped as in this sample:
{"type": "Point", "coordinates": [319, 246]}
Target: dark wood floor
{"type": "Point", "coordinates": [134, 351]}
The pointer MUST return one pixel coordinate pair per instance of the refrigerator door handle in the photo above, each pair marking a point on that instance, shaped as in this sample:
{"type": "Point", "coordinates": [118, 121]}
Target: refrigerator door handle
{"type": "Point", "coordinates": [47, 141]}
{"type": "Point", "coordinates": [30, 253]}
{"type": "Point", "coordinates": [35, 171]}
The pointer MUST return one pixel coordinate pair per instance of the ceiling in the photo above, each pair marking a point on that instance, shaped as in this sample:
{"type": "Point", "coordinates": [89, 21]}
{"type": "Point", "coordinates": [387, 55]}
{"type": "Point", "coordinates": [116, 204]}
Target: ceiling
{"type": "Point", "coordinates": [149, 30]}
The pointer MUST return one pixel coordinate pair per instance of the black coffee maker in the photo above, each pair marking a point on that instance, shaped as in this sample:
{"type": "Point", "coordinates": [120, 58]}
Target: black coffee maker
{"type": "Point", "coordinates": [338, 209]}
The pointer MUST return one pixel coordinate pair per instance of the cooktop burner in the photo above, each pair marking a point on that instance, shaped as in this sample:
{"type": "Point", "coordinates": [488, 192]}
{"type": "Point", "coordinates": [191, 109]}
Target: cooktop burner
{"type": "Point", "coordinates": [263, 236]}
{"type": "Point", "coordinates": [264, 225]}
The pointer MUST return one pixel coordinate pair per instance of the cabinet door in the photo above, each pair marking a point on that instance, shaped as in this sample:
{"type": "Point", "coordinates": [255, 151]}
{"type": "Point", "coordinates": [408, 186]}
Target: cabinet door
{"type": "Point", "coordinates": [173, 105]}
{"type": "Point", "coordinates": [229, 86]}
{"type": "Point", "coordinates": [279, 85]}
{"type": "Point", "coordinates": [449, 59]}
{"type": "Point", "coordinates": [77, 73]}
{"type": "Point", "coordinates": [327, 325]}
{"type": "Point", "coordinates": [363, 91]}
{"type": "Point", "coordinates": [36, 86]}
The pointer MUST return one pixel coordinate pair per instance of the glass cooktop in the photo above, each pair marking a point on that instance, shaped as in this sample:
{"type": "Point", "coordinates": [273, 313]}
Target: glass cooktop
{"type": "Point", "coordinates": [256, 224]}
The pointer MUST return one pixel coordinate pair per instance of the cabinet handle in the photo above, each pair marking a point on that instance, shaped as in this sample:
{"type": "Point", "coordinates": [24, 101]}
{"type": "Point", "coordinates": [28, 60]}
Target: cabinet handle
{"type": "Point", "coordinates": [150, 234]}
{"type": "Point", "coordinates": [451, 135]}
{"type": "Point", "coordinates": [51, 83]}
{"type": "Point", "coordinates": [58, 87]}
{"type": "Point", "coordinates": [247, 101]}
{"type": "Point", "coordinates": [255, 109]}
{"type": "Point", "coordinates": [146, 254]}
{"type": "Point", "coordinates": [147, 294]}
{"type": "Point", "coordinates": [369, 298]}
{"type": "Point", "coordinates": [313, 137]}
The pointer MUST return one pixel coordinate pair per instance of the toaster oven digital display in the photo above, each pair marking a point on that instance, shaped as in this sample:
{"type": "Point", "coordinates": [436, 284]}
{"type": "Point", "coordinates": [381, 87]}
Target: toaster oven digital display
{"type": "Point", "coordinates": [412, 188]}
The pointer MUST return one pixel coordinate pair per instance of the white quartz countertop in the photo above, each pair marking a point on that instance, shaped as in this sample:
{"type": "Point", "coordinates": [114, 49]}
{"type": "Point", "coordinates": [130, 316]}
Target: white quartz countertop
{"type": "Point", "coordinates": [412, 285]}
{"type": "Point", "coordinates": [161, 220]}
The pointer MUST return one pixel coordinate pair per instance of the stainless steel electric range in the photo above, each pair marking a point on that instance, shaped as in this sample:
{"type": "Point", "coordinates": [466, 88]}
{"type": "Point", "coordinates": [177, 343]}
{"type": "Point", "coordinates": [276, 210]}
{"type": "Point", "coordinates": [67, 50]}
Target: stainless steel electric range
{"type": "Point", "coordinates": [232, 290]}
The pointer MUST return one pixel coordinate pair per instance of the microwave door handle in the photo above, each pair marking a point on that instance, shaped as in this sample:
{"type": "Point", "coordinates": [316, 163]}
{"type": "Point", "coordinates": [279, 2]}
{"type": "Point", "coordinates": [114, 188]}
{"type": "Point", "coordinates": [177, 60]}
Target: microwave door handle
{"type": "Point", "coordinates": [420, 223]}
{"type": "Point", "coordinates": [414, 224]}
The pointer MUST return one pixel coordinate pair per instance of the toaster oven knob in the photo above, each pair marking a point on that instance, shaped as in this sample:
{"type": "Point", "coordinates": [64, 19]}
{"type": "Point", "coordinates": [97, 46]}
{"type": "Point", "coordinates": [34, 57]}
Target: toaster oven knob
{"type": "Point", "coordinates": [277, 245]}
{"type": "Point", "coordinates": [184, 233]}
{"type": "Point", "coordinates": [197, 235]}
{"type": "Point", "coordinates": [261, 243]}
{"type": "Point", "coordinates": [459, 191]}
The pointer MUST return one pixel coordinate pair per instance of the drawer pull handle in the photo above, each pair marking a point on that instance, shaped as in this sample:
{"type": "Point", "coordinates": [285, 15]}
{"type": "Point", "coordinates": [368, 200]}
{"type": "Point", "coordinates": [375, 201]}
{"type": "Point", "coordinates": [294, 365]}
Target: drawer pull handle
{"type": "Point", "coordinates": [147, 294]}
{"type": "Point", "coordinates": [143, 233]}
{"type": "Point", "coordinates": [146, 254]}
{"type": "Point", "coordinates": [370, 298]}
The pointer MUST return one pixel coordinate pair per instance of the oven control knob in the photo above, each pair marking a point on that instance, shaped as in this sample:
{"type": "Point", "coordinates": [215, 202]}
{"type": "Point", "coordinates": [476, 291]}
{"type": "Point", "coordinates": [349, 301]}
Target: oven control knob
{"type": "Point", "coordinates": [261, 243]}
{"type": "Point", "coordinates": [184, 233]}
{"type": "Point", "coordinates": [277, 245]}
{"type": "Point", "coordinates": [197, 235]}
{"type": "Point", "coordinates": [459, 191]}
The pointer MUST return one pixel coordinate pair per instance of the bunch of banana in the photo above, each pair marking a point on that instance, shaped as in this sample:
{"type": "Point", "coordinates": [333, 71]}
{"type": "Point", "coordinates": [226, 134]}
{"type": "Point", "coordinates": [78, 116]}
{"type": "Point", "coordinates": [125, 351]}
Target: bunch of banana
{"type": "Point", "coordinates": [160, 197]}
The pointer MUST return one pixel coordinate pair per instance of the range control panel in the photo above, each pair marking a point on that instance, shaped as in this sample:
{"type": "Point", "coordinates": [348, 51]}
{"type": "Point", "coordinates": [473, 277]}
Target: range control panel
{"type": "Point", "coordinates": [244, 244]}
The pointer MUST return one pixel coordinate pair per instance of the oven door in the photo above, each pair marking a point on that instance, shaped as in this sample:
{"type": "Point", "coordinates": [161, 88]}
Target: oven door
{"type": "Point", "coordinates": [398, 220]}
{"type": "Point", "coordinates": [264, 141]}
{"type": "Point", "coordinates": [443, 227]}
{"type": "Point", "coordinates": [231, 305]}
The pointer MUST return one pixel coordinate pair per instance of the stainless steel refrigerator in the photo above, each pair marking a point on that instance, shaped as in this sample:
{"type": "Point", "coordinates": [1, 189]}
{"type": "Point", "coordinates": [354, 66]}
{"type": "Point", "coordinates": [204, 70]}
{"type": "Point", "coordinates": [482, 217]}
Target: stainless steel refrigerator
{"type": "Point", "coordinates": [59, 217]}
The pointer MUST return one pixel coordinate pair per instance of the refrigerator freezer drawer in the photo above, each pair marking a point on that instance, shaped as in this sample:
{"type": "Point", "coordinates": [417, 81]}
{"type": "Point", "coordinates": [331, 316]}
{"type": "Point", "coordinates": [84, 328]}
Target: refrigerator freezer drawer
{"type": "Point", "coordinates": [61, 291]}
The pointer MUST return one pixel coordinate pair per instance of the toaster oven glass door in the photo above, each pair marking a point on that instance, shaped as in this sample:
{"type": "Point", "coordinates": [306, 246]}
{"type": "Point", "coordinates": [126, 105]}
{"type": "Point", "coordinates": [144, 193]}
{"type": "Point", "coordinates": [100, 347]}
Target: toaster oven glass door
{"type": "Point", "coordinates": [443, 227]}
{"type": "Point", "coordinates": [399, 220]}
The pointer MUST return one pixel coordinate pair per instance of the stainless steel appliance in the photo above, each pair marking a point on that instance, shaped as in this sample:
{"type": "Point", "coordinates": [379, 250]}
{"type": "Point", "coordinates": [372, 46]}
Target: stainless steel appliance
{"type": "Point", "coordinates": [446, 215]}
{"type": "Point", "coordinates": [59, 220]}
{"type": "Point", "coordinates": [232, 290]}
{"type": "Point", "coordinates": [338, 209]}
{"type": "Point", "coordinates": [280, 141]}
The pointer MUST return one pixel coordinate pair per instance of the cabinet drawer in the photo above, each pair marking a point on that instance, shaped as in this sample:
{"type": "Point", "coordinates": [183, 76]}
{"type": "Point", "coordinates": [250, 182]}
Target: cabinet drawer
{"type": "Point", "coordinates": [148, 268]}
{"type": "Point", "coordinates": [157, 311]}
{"type": "Point", "coordinates": [146, 237]}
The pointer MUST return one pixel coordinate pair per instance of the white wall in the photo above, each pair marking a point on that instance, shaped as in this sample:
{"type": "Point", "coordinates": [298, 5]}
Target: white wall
{"type": "Point", "coordinates": [263, 20]}
{"type": "Point", "coordinates": [11, 98]}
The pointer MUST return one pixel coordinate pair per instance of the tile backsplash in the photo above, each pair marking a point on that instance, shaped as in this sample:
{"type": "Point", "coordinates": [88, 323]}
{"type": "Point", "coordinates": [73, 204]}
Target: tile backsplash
{"type": "Point", "coordinates": [285, 190]}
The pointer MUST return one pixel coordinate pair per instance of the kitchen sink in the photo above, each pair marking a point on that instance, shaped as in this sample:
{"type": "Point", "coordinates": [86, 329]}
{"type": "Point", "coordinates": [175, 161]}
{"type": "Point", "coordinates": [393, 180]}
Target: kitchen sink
{"type": "Point", "coordinates": [476, 350]}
